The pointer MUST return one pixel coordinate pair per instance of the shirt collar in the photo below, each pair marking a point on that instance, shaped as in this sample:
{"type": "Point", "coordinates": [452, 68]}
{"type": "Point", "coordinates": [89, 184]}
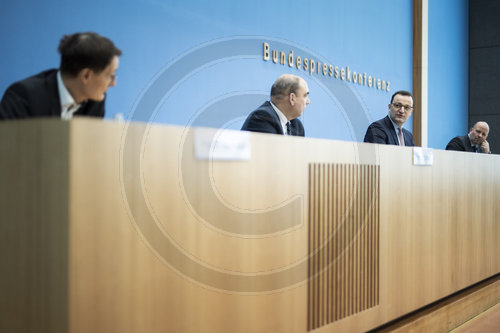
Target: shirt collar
{"type": "Point", "coordinates": [472, 145]}
{"type": "Point", "coordinates": [283, 119]}
{"type": "Point", "coordinates": [395, 125]}
{"type": "Point", "coordinates": [64, 96]}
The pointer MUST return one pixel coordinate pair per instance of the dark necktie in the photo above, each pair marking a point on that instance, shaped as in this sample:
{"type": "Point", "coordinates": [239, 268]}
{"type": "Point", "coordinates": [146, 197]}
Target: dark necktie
{"type": "Point", "coordinates": [400, 136]}
{"type": "Point", "coordinates": [288, 128]}
{"type": "Point", "coordinates": [67, 113]}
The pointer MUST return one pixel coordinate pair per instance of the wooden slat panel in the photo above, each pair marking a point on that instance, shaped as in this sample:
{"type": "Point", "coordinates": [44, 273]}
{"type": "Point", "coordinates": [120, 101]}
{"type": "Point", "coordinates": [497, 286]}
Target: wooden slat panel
{"type": "Point", "coordinates": [343, 241]}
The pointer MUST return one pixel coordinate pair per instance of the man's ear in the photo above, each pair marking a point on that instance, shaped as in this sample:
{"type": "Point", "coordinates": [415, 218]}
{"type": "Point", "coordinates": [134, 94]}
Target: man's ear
{"type": "Point", "coordinates": [291, 98]}
{"type": "Point", "coordinates": [85, 74]}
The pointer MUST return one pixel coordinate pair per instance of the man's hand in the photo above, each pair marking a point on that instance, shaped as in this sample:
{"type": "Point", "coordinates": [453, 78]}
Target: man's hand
{"type": "Point", "coordinates": [486, 147]}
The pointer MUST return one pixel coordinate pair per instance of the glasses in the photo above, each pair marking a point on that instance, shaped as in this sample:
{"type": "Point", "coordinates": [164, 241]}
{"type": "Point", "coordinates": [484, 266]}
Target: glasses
{"type": "Point", "coordinates": [399, 106]}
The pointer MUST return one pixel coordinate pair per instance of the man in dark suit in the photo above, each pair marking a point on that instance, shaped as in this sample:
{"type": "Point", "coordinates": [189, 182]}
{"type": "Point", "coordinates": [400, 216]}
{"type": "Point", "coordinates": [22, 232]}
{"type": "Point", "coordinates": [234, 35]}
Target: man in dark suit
{"type": "Point", "coordinates": [474, 142]}
{"type": "Point", "coordinates": [289, 98]}
{"type": "Point", "coordinates": [389, 130]}
{"type": "Point", "coordinates": [88, 65]}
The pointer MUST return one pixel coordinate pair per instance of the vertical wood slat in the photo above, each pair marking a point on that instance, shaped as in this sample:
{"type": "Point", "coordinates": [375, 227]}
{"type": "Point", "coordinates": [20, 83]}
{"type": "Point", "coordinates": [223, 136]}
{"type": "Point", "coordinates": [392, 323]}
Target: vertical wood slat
{"type": "Point", "coordinates": [420, 71]}
{"type": "Point", "coordinates": [343, 245]}
{"type": "Point", "coordinates": [309, 245]}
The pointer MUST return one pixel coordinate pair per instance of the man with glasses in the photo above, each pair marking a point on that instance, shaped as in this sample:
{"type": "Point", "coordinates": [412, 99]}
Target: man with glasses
{"type": "Point", "coordinates": [474, 142]}
{"type": "Point", "coordinates": [389, 130]}
{"type": "Point", "coordinates": [88, 65]}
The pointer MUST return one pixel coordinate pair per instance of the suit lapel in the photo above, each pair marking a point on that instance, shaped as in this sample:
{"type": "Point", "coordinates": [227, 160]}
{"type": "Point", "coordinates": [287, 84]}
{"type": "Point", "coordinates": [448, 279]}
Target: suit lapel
{"type": "Point", "coordinates": [294, 127]}
{"type": "Point", "coordinates": [468, 144]}
{"type": "Point", "coordinates": [392, 131]}
{"type": "Point", "coordinates": [53, 94]}
{"type": "Point", "coordinates": [408, 138]}
{"type": "Point", "coordinates": [274, 116]}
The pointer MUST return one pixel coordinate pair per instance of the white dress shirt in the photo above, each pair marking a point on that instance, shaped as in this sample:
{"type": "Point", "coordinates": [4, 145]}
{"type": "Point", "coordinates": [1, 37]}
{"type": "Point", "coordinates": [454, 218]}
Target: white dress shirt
{"type": "Point", "coordinates": [68, 104]}
{"type": "Point", "coordinates": [283, 119]}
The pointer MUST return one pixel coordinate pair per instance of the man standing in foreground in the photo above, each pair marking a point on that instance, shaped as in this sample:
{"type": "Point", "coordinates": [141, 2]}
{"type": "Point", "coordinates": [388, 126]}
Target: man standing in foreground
{"type": "Point", "coordinates": [289, 98]}
{"type": "Point", "coordinates": [475, 141]}
{"type": "Point", "coordinates": [389, 130]}
{"type": "Point", "coordinates": [88, 65]}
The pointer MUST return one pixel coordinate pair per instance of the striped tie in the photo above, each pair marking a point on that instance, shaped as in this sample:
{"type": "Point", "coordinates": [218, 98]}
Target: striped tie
{"type": "Point", "coordinates": [400, 136]}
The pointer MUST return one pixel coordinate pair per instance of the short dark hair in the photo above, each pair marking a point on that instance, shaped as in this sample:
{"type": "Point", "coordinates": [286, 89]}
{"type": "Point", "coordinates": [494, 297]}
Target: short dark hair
{"type": "Point", "coordinates": [284, 86]}
{"type": "Point", "coordinates": [86, 50]}
{"type": "Point", "coordinates": [403, 93]}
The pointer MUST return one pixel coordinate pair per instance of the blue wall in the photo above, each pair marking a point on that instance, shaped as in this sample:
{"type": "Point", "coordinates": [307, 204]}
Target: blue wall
{"type": "Point", "coordinates": [198, 63]}
{"type": "Point", "coordinates": [448, 70]}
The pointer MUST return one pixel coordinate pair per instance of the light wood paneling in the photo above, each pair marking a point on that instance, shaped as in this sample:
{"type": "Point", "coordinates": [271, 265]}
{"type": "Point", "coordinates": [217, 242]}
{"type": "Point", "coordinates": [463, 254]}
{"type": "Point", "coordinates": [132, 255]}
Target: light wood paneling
{"type": "Point", "coordinates": [451, 312]}
{"type": "Point", "coordinates": [34, 226]}
{"type": "Point", "coordinates": [102, 233]}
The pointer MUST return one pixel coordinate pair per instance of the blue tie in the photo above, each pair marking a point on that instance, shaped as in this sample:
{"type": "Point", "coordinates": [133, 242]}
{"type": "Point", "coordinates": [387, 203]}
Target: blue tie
{"type": "Point", "coordinates": [288, 128]}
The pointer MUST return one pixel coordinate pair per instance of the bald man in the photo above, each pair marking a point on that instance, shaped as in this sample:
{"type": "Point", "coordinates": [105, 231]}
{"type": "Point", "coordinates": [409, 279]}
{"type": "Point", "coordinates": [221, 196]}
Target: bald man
{"type": "Point", "coordinates": [289, 98]}
{"type": "Point", "coordinates": [475, 141]}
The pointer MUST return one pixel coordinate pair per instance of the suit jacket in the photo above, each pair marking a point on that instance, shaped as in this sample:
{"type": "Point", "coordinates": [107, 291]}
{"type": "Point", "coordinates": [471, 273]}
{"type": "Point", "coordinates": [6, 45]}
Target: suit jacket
{"type": "Point", "coordinates": [266, 120]}
{"type": "Point", "coordinates": [38, 96]}
{"type": "Point", "coordinates": [382, 131]}
{"type": "Point", "coordinates": [462, 143]}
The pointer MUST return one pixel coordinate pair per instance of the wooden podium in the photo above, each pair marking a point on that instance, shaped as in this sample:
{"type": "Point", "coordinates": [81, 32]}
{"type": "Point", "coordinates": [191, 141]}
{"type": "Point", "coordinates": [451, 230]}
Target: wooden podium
{"type": "Point", "coordinates": [117, 227]}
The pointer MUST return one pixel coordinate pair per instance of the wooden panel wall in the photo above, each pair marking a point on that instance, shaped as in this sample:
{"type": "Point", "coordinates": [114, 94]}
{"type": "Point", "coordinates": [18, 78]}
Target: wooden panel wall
{"type": "Point", "coordinates": [343, 241]}
{"type": "Point", "coordinates": [34, 226]}
{"type": "Point", "coordinates": [418, 233]}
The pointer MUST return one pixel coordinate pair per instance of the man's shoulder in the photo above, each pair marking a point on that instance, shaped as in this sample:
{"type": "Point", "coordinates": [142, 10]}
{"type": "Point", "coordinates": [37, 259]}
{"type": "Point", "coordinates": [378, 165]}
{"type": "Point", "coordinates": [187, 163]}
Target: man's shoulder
{"type": "Point", "coordinates": [457, 143]}
{"type": "Point", "coordinates": [33, 96]}
{"type": "Point", "coordinates": [265, 112]}
{"type": "Point", "coordinates": [381, 131]}
{"type": "Point", "coordinates": [460, 138]}
{"type": "Point", "coordinates": [36, 81]}
{"type": "Point", "coordinates": [381, 123]}
{"type": "Point", "coordinates": [266, 107]}
{"type": "Point", "coordinates": [263, 119]}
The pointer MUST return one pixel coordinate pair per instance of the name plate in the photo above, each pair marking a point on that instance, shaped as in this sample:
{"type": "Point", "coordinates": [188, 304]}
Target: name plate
{"type": "Point", "coordinates": [220, 144]}
{"type": "Point", "coordinates": [423, 156]}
